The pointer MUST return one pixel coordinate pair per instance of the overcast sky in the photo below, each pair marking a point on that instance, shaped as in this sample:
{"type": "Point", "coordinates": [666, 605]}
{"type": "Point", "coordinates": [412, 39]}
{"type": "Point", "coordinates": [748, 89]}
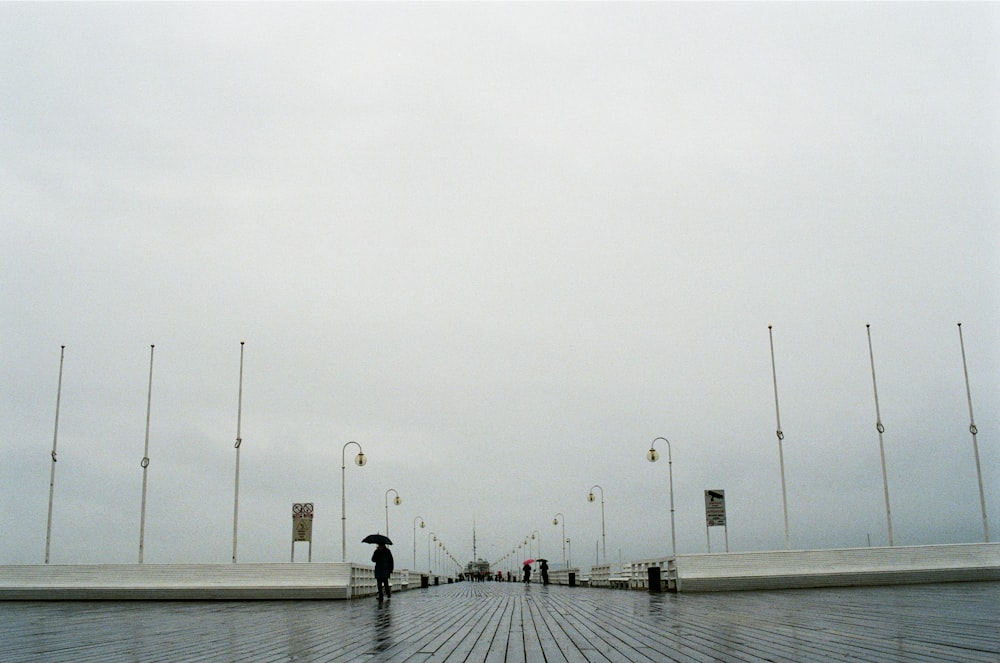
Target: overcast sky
{"type": "Point", "coordinates": [502, 247]}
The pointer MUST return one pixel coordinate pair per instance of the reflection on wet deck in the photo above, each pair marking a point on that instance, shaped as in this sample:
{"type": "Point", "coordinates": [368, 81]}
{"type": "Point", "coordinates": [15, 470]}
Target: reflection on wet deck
{"type": "Point", "coordinates": [514, 622]}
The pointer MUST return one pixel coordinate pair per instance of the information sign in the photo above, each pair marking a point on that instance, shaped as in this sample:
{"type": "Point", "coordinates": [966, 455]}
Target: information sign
{"type": "Point", "coordinates": [715, 508]}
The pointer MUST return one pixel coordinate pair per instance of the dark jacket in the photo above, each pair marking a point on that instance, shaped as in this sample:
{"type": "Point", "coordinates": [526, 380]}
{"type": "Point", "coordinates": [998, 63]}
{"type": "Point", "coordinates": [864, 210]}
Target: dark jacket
{"type": "Point", "coordinates": [383, 562]}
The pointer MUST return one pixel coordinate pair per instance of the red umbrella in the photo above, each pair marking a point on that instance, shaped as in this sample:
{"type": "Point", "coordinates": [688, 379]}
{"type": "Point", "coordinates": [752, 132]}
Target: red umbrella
{"type": "Point", "coordinates": [529, 561]}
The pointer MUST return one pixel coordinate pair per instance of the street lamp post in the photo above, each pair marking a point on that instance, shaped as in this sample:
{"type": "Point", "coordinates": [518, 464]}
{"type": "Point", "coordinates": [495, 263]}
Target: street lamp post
{"type": "Point", "coordinates": [604, 540]}
{"type": "Point", "coordinates": [539, 548]}
{"type": "Point", "coordinates": [555, 521]}
{"type": "Point", "coordinates": [652, 455]}
{"type": "Point", "coordinates": [422, 525]}
{"type": "Point", "coordinates": [360, 461]}
{"type": "Point", "coordinates": [396, 500]}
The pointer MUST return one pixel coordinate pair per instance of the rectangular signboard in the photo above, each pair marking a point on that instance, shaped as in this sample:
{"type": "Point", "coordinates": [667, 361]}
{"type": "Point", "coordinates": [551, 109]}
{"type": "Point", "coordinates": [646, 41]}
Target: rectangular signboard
{"type": "Point", "coordinates": [715, 508]}
{"type": "Point", "coordinates": [302, 529]}
{"type": "Point", "coordinates": [302, 521]}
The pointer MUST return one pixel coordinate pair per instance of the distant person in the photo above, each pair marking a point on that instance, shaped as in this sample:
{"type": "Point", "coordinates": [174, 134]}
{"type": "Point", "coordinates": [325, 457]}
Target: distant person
{"type": "Point", "coordinates": [544, 568]}
{"type": "Point", "coordinates": [383, 570]}
{"type": "Point", "coordinates": [527, 572]}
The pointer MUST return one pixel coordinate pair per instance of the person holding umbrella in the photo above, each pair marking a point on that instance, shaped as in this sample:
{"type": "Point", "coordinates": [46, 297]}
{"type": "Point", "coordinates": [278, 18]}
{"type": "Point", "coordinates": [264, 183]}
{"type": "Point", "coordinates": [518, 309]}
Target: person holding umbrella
{"type": "Point", "coordinates": [527, 569]}
{"type": "Point", "coordinates": [382, 557]}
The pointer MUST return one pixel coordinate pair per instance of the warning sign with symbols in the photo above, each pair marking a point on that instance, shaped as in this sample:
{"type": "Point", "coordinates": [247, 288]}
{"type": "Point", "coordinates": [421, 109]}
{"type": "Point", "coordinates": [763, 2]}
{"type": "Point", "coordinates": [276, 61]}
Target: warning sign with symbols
{"type": "Point", "coordinates": [302, 529]}
{"type": "Point", "coordinates": [302, 521]}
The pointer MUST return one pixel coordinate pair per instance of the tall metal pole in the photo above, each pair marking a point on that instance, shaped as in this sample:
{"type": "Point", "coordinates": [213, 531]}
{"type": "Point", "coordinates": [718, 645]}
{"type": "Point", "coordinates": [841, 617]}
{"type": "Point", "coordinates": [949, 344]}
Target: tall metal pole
{"type": "Point", "coordinates": [975, 444]}
{"type": "Point", "coordinates": [604, 538]}
{"type": "Point", "coordinates": [396, 500]}
{"type": "Point", "coordinates": [652, 456]}
{"type": "Point", "coordinates": [781, 436]}
{"type": "Point", "coordinates": [145, 456]}
{"type": "Point", "coordinates": [590, 498]}
{"type": "Point", "coordinates": [422, 524]}
{"type": "Point", "coordinates": [52, 473]}
{"type": "Point", "coordinates": [881, 446]}
{"type": "Point", "coordinates": [359, 460]}
{"type": "Point", "coordinates": [239, 442]}
{"type": "Point", "coordinates": [555, 521]}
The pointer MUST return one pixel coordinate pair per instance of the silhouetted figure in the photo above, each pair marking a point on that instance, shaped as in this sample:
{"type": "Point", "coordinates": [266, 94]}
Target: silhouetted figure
{"type": "Point", "coordinates": [527, 572]}
{"type": "Point", "coordinates": [383, 570]}
{"type": "Point", "coordinates": [544, 568]}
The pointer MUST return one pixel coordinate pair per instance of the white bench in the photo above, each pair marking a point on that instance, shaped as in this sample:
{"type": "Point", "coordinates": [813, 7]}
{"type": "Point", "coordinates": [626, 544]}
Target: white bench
{"type": "Point", "coordinates": [191, 581]}
{"type": "Point", "coordinates": [840, 567]}
{"type": "Point", "coordinates": [561, 576]}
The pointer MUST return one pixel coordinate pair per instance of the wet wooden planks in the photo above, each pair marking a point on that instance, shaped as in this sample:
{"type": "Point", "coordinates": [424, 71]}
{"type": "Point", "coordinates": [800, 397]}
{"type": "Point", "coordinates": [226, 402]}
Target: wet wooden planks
{"type": "Point", "coordinates": [511, 622]}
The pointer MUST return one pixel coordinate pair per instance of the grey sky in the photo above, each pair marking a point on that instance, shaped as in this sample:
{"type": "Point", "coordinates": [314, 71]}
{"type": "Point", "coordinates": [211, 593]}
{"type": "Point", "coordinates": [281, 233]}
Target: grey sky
{"type": "Point", "coordinates": [503, 247]}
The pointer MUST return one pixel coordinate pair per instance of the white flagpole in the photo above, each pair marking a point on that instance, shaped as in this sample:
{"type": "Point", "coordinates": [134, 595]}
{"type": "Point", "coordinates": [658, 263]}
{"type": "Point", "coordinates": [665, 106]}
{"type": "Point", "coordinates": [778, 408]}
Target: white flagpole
{"type": "Point", "coordinates": [239, 441]}
{"type": "Point", "coordinates": [781, 436]}
{"type": "Point", "coordinates": [881, 429]}
{"type": "Point", "coordinates": [55, 437]}
{"type": "Point", "coordinates": [975, 444]}
{"type": "Point", "coordinates": [145, 456]}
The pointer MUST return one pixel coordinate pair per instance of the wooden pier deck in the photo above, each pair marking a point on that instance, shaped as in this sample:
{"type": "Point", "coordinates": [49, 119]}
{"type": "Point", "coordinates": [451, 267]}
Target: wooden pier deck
{"type": "Point", "coordinates": [473, 622]}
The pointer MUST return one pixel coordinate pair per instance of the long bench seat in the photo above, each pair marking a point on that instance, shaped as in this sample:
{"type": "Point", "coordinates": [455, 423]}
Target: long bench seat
{"type": "Point", "coordinates": [190, 581]}
{"type": "Point", "coordinates": [837, 568]}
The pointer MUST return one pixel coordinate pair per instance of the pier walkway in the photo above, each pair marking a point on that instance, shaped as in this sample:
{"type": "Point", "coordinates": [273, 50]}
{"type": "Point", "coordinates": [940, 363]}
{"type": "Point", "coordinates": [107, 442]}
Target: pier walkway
{"type": "Point", "coordinates": [956, 622]}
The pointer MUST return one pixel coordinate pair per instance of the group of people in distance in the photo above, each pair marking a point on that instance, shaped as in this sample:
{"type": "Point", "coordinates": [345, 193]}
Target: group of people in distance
{"type": "Point", "coordinates": [384, 565]}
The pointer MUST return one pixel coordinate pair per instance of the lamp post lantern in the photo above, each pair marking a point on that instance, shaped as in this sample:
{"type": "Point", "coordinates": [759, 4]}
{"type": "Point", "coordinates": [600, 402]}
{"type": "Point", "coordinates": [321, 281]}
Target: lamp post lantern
{"type": "Point", "coordinates": [556, 521]}
{"type": "Point", "coordinates": [590, 498]}
{"type": "Point", "coordinates": [652, 456]}
{"type": "Point", "coordinates": [360, 461]}
{"type": "Point", "coordinates": [396, 500]}
{"type": "Point", "coordinates": [422, 525]}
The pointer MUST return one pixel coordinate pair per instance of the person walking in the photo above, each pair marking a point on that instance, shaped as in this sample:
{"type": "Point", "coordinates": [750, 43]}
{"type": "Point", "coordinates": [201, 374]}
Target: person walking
{"type": "Point", "coordinates": [544, 568]}
{"type": "Point", "coordinates": [527, 572]}
{"type": "Point", "coordinates": [383, 570]}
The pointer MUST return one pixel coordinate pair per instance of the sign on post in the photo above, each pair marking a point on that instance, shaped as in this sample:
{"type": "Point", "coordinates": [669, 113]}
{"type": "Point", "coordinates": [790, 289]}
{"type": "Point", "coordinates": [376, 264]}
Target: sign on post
{"type": "Point", "coordinates": [302, 520]}
{"type": "Point", "coordinates": [715, 508]}
{"type": "Point", "coordinates": [715, 514]}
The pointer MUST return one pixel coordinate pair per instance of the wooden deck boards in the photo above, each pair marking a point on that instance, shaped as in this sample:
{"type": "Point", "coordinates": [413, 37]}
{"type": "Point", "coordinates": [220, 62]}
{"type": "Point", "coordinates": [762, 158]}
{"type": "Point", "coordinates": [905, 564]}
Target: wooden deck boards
{"type": "Point", "coordinates": [474, 622]}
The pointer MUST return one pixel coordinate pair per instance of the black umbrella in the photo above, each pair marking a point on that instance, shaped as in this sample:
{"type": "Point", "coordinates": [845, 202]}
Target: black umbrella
{"type": "Point", "coordinates": [377, 538]}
